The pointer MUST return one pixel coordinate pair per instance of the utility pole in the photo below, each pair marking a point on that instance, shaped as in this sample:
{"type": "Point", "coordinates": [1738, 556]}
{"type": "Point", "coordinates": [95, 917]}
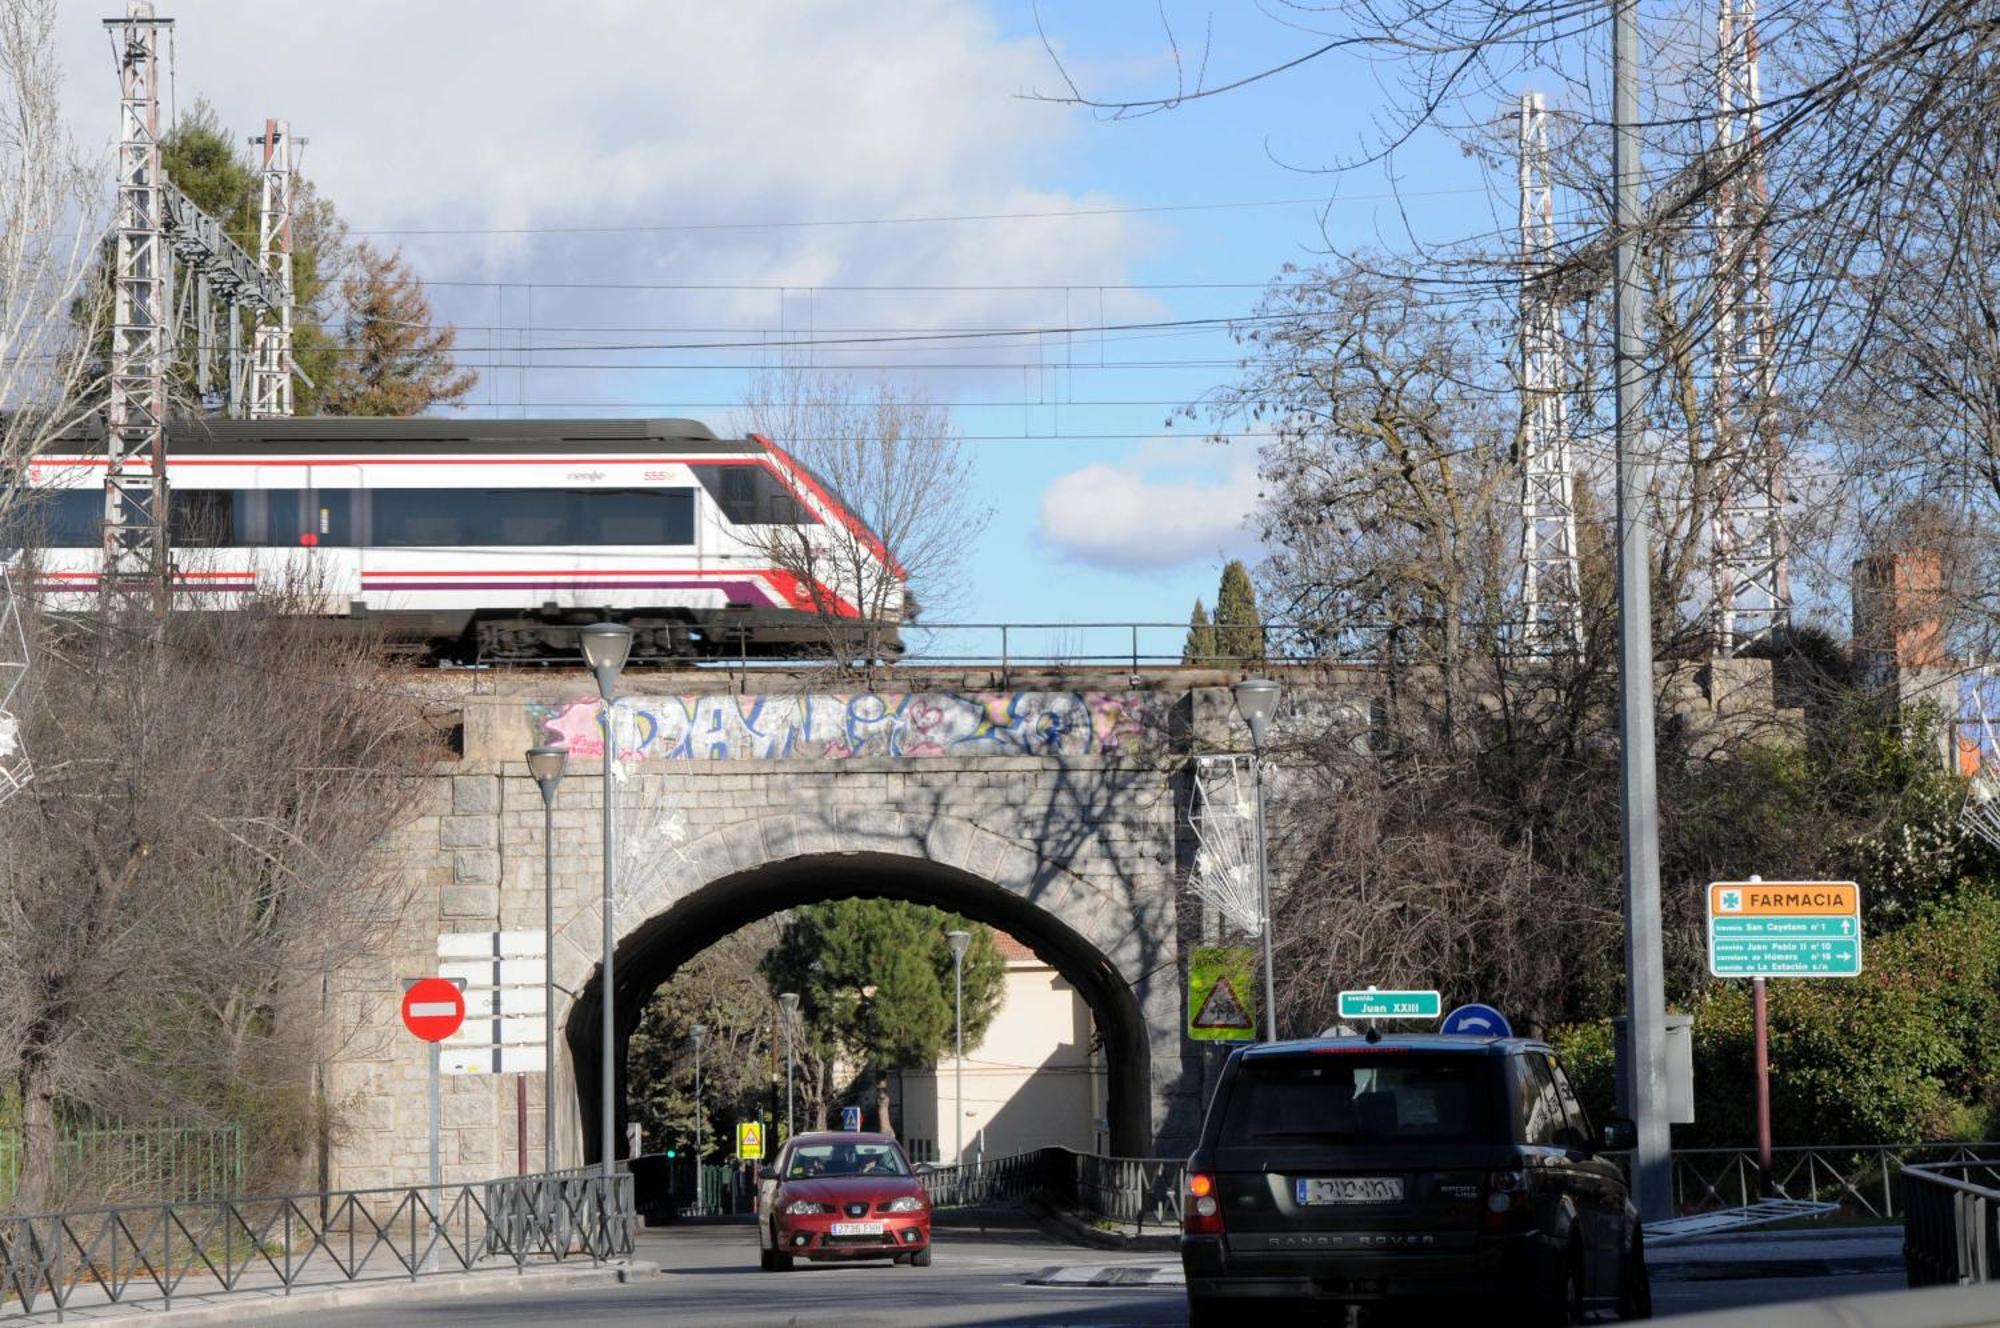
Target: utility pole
{"type": "Point", "coordinates": [1645, 966]}
{"type": "Point", "coordinates": [135, 443]}
{"type": "Point", "coordinates": [271, 374]}
{"type": "Point", "coordinates": [1753, 589]}
{"type": "Point", "coordinates": [1551, 602]}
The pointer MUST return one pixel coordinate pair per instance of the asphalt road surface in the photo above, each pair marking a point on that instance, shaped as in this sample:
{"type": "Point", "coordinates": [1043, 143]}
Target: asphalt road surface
{"type": "Point", "coordinates": [710, 1276]}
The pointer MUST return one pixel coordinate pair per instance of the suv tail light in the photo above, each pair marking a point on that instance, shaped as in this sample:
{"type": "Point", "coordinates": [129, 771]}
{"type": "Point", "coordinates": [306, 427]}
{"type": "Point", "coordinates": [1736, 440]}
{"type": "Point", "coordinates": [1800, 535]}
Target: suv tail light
{"type": "Point", "coordinates": [1201, 1206]}
{"type": "Point", "coordinates": [1506, 1200]}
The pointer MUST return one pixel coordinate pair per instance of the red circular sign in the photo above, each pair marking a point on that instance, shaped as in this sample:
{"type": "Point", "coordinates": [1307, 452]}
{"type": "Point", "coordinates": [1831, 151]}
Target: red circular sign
{"type": "Point", "coordinates": [433, 1008]}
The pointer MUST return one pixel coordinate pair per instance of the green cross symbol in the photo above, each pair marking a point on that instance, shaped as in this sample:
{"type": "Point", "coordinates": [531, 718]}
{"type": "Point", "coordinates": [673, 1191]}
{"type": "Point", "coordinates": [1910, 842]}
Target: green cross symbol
{"type": "Point", "coordinates": [1731, 901]}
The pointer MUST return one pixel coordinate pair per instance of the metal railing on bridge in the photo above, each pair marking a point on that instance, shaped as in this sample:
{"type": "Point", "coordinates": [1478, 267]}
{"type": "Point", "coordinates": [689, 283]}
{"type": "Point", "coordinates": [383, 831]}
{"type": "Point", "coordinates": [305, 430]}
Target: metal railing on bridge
{"type": "Point", "coordinates": [1951, 1222]}
{"type": "Point", "coordinates": [155, 1252]}
{"type": "Point", "coordinates": [1136, 1190]}
{"type": "Point", "coordinates": [1861, 1178]}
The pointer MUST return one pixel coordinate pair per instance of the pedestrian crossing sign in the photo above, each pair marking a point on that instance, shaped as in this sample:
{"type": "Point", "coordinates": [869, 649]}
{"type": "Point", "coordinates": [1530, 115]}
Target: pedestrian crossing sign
{"type": "Point", "coordinates": [749, 1141]}
{"type": "Point", "coordinates": [1222, 994]}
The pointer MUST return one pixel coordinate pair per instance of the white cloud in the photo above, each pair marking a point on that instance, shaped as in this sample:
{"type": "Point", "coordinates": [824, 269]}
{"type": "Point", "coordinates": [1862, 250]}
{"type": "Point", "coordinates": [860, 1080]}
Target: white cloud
{"type": "Point", "coordinates": [1174, 501]}
{"type": "Point", "coordinates": [523, 113]}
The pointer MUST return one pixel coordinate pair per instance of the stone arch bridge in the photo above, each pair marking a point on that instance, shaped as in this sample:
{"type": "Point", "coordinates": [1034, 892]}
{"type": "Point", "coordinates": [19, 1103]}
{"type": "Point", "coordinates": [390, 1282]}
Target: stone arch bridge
{"type": "Point", "coordinates": [1055, 810]}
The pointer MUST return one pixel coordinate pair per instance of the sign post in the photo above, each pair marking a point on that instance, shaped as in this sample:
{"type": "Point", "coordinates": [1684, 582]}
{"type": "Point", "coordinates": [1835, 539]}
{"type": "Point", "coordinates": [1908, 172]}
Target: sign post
{"type": "Point", "coordinates": [433, 1008]}
{"type": "Point", "coordinates": [1761, 929]}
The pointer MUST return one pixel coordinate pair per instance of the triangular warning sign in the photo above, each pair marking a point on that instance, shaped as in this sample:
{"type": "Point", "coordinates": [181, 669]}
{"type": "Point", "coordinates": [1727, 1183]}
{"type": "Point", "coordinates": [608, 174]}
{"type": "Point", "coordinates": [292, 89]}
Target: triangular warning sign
{"type": "Point", "coordinates": [1221, 1008]}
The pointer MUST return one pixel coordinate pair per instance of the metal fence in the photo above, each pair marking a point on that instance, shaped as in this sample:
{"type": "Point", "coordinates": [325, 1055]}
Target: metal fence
{"type": "Point", "coordinates": [1951, 1222]}
{"type": "Point", "coordinates": [155, 1252]}
{"type": "Point", "coordinates": [171, 1160]}
{"type": "Point", "coordinates": [1138, 1190]}
{"type": "Point", "coordinates": [1861, 1178]}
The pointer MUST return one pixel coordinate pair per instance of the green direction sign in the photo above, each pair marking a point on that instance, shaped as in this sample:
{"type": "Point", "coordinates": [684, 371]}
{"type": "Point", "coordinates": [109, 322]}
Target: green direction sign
{"type": "Point", "coordinates": [1373, 1004]}
{"type": "Point", "coordinates": [1222, 994]}
{"type": "Point", "coordinates": [1784, 929]}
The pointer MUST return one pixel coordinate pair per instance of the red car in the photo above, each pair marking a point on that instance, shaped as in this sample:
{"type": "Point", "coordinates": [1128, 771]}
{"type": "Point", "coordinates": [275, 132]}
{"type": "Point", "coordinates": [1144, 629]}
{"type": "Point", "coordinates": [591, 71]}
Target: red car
{"type": "Point", "coordinates": [842, 1196]}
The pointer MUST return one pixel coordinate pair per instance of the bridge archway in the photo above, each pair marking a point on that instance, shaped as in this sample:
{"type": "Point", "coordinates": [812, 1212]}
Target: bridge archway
{"type": "Point", "coordinates": [1078, 928]}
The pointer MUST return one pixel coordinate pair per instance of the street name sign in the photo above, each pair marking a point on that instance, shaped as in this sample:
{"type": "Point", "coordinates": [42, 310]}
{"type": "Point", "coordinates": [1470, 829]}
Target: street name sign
{"type": "Point", "coordinates": [1784, 929]}
{"type": "Point", "coordinates": [433, 1008]}
{"type": "Point", "coordinates": [1373, 1004]}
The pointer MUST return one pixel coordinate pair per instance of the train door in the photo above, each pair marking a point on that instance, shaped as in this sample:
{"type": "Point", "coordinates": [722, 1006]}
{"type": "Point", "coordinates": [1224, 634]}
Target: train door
{"type": "Point", "coordinates": [336, 536]}
{"type": "Point", "coordinates": [272, 518]}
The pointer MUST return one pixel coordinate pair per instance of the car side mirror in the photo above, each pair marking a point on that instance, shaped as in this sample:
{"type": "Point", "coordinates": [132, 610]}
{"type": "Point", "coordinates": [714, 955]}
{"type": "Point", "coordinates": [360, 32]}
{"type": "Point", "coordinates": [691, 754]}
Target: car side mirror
{"type": "Point", "coordinates": [767, 1173]}
{"type": "Point", "coordinates": [1618, 1135]}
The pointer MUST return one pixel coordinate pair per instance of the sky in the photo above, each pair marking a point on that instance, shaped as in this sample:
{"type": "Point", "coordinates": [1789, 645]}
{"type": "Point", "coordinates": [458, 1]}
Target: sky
{"type": "Point", "coordinates": [589, 191]}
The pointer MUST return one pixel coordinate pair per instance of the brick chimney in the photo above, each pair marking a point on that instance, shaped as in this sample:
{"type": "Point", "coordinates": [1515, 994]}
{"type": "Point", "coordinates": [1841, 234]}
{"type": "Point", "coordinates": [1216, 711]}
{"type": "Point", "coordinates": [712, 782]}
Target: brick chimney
{"type": "Point", "coordinates": [1898, 612]}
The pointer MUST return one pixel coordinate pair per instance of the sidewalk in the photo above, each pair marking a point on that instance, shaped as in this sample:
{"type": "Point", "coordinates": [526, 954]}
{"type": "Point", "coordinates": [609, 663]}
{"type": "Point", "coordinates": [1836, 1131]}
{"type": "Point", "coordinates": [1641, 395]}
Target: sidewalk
{"type": "Point", "coordinates": [1836, 1251]}
{"type": "Point", "coordinates": [255, 1304]}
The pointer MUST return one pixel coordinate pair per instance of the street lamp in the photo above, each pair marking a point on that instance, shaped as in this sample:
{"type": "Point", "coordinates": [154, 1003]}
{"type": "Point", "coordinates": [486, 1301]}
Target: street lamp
{"type": "Point", "coordinates": [790, 1000]}
{"type": "Point", "coordinates": [546, 764]}
{"type": "Point", "coordinates": [958, 941]}
{"type": "Point", "coordinates": [1257, 701]}
{"type": "Point", "coordinates": [697, 1035]}
{"type": "Point", "coordinates": [605, 646]}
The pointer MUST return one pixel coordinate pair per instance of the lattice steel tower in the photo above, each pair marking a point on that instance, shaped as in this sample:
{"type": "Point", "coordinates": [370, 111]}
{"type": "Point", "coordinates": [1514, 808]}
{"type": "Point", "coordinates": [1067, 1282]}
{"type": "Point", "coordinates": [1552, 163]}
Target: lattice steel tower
{"type": "Point", "coordinates": [1552, 602]}
{"type": "Point", "coordinates": [271, 375]}
{"type": "Point", "coordinates": [1753, 590]}
{"type": "Point", "coordinates": [135, 475]}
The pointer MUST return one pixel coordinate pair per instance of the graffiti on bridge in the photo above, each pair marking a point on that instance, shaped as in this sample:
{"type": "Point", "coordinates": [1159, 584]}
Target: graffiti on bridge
{"type": "Point", "coordinates": [841, 726]}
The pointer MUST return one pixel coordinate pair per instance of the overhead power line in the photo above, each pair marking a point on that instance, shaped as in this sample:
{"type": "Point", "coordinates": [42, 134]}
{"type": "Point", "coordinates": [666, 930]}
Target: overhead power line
{"type": "Point", "coordinates": [945, 219]}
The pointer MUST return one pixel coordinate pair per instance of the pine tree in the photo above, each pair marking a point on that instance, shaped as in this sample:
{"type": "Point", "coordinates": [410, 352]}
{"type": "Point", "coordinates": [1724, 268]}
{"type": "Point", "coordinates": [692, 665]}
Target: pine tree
{"type": "Point", "coordinates": [1239, 628]}
{"type": "Point", "coordinates": [1200, 647]}
{"type": "Point", "coordinates": [395, 361]}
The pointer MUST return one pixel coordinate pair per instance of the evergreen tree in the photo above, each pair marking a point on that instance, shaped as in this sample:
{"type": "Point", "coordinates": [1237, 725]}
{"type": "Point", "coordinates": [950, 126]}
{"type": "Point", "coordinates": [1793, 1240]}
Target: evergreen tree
{"type": "Point", "coordinates": [1239, 628]}
{"type": "Point", "coordinates": [874, 978]}
{"type": "Point", "coordinates": [393, 361]}
{"type": "Point", "coordinates": [1200, 647]}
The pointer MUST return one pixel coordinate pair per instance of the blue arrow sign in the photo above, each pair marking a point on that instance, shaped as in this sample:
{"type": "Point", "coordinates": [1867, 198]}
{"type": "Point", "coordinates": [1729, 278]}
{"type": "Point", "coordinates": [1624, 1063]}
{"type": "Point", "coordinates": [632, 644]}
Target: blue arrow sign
{"type": "Point", "coordinates": [1476, 1021]}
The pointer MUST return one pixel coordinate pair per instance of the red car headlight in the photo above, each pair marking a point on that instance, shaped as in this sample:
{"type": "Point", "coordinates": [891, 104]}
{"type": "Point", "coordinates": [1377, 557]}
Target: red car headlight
{"type": "Point", "coordinates": [805, 1207]}
{"type": "Point", "coordinates": [909, 1203]}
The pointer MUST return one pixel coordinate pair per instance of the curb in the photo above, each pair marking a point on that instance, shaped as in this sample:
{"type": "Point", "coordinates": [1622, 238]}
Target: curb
{"type": "Point", "coordinates": [1732, 1270]}
{"type": "Point", "coordinates": [257, 1305]}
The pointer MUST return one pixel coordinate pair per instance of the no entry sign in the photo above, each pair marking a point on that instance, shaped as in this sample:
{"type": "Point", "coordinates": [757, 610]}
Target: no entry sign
{"type": "Point", "coordinates": [433, 1008]}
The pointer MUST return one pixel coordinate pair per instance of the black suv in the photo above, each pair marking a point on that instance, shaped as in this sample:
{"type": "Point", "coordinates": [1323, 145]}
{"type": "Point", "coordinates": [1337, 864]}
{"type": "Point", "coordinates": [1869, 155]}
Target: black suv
{"type": "Point", "coordinates": [1361, 1169]}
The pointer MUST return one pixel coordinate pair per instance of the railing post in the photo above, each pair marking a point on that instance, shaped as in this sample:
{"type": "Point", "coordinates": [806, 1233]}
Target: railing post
{"type": "Point", "coordinates": [167, 1253]}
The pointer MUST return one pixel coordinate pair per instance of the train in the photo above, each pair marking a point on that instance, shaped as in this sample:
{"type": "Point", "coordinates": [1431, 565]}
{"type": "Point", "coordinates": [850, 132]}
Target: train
{"type": "Point", "coordinates": [492, 540]}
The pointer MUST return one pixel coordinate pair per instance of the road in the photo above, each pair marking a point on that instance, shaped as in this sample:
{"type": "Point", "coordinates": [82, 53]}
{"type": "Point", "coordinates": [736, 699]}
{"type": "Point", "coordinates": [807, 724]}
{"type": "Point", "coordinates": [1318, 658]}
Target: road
{"type": "Point", "coordinates": [710, 1276]}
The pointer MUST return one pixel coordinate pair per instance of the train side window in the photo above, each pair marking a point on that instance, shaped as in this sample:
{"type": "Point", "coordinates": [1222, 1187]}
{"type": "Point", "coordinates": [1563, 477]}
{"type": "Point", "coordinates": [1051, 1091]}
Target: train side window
{"type": "Point", "coordinates": [56, 519]}
{"type": "Point", "coordinates": [514, 518]}
{"type": "Point", "coordinates": [201, 518]}
{"type": "Point", "coordinates": [750, 495]}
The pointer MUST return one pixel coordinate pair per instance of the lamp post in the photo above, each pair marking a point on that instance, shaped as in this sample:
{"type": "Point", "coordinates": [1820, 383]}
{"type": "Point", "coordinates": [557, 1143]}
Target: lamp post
{"type": "Point", "coordinates": [546, 764]}
{"type": "Point", "coordinates": [605, 646]}
{"type": "Point", "coordinates": [958, 941]}
{"type": "Point", "coordinates": [1257, 701]}
{"type": "Point", "coordinates": [790, 1001]}
{"type": "Point", "coordinates": [697, 1035]}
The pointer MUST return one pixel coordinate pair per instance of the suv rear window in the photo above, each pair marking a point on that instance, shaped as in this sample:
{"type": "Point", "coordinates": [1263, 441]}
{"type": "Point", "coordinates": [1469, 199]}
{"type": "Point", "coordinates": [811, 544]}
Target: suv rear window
{"type": "Point", "coordinates": [1352, 1098]}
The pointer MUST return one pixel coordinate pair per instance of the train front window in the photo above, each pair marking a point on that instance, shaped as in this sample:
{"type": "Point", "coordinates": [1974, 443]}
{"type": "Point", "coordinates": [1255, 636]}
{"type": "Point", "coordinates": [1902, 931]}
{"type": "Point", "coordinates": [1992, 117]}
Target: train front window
{"type": "Point", "coordinates": [414, 518]}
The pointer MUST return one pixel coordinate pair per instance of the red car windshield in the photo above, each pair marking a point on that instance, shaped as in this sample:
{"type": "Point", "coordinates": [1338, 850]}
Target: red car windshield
{"type": "Point", "coordinates": [813, 1161]}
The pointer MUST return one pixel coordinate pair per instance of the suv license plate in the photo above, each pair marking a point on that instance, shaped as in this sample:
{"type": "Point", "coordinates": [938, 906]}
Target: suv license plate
{"type": "Point", "coordinates": [857, 1229]}
{"type": "Point", "coordinates": [1350, 1190]}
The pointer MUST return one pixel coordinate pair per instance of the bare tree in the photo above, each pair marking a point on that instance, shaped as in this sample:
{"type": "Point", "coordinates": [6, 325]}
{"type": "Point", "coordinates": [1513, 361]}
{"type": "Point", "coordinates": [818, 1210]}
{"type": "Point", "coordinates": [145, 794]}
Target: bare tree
{"type": "Point", "coordinates": [901, 470]}
{"type": "Point", "coordinates": [201, 846]}
{"type": "Point", "coordinates": [51, 201]}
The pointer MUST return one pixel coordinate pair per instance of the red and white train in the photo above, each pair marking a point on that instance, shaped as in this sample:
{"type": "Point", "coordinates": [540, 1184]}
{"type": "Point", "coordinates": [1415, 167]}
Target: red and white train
{"type": "Point", "coordinates": [494, 539]}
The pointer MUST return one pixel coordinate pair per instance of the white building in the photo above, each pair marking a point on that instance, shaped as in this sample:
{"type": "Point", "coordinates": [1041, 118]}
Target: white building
{"type": "Point", "coordinates": [1034, 1080]}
